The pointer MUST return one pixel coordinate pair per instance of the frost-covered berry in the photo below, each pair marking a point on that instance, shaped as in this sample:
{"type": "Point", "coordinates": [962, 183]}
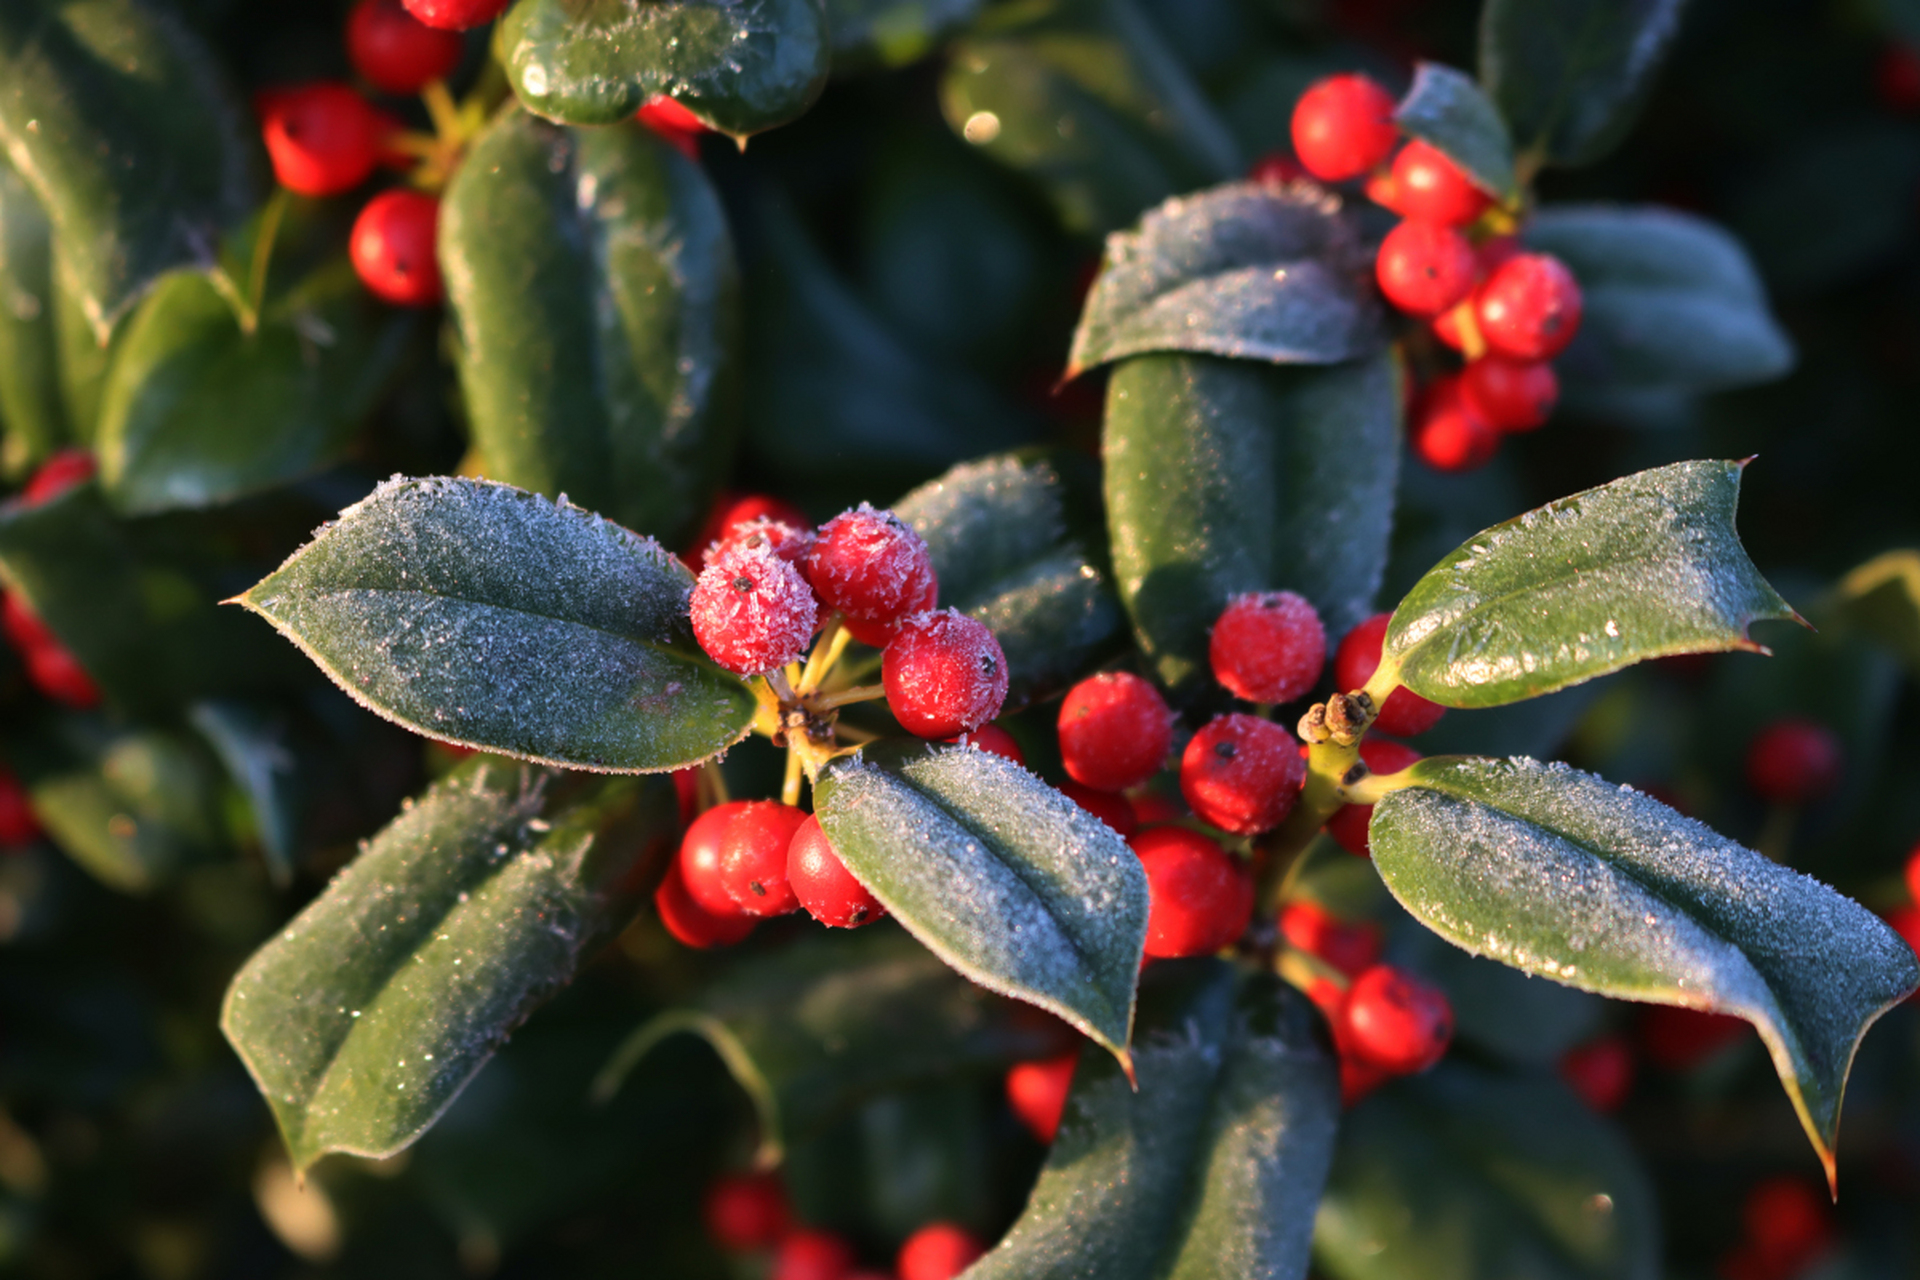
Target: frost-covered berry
{"type": "Point", "coordinates": [746, 1212]}
{"type": "Point", "coordinates": [1424, 268]}
{"type": "Point", "coordinates": [394, 51]}
{"type": "Point", "coordinates": [822, 883]}
{"type": "Point", "coordinates": [1511, 395]}
{"type": "Point", "coordinates": [873, 568]}
{"type": "Point", "coordinates": [455, 15]}
{"type": "Point", "coordinates": [1427, 186]}
{"type": "Point", "coordinates": [753, 856]}
{"type": "Point", "coordinates": [1406, 713]}
{"type": "Point", "coordinates": [1343, 126]}
{"type": "Point", "coordinates": [991, 737]}
{"type": "Point", "coordinates": [1242, 774]}
{"type": "Point", "coordinates": [752, 611]}
{"type": "Point", "coordinates": [812, 1255]}
{"type": "Point", "coordinates": [1037, 1091]}
{"type": "Point", "coordinates": [787, 541]}
{"type": "Point", "coordinates": [322, 138]}
{"type": "Point", "coordinates": [1115, 731]}
{"type": "Point", "coordinates": [937, 1251]}
{"type": "Point", "coordinates": [1448, 433]}
{"type": "Point", "coordinates": [1268, 646]}
{"type": "Point", "coordinates": [1349, 823]}
{"type": "Point", "coordinates": [1529, 309]}
{"type": "Point", "coordinates": [64, 469]}
{"type": "Point", "coordinates": [1200, 897]}
{"type": "Point", "coordinates": [1352, 948]}
{"type": "Point", "coordinates": [1396, 1022]}
{"type": "Point", "coordinates": [944, 674]}
{"type": "Point", "coordinates": [1110, 807]}
{"type": "Point", "coordinates": [392, 247]}
{"type": "Point", "coordinates": [1600, 1071]}
{"type": "Point", "coordinates": [691, 924]}
{"type": "Point", "coordinates": [18, 826]}
{"type": "Point", "coordinates": [1794, 761]}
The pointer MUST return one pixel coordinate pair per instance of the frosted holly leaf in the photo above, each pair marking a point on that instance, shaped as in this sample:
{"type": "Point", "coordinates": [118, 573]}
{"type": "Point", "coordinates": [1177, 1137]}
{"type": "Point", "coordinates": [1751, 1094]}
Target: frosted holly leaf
{"type": "Point", "coordinates": [487, 616]}
{"type": "Point", "coordinates": [1564, 875]}
{"type": "Point", "coordinates": [998, 874]}
{"type": "Point", "coordinates": [1447, 110]}
{"type": "Point", "coordinates": [1644, 567]}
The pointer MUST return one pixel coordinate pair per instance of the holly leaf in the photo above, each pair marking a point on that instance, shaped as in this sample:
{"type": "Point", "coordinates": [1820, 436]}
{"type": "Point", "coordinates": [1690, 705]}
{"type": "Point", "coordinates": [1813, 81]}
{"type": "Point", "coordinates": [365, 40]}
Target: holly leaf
{"type": "Point", "coordinates": [998, 874]}
{"type": "Point", "coordinates": [1446, 109]}
{"type": "Point", "coordinates": [31, 409]}
{"type": "Point", "coordinates": [1882, 599]}
{"type": "Point", "coordinates": [364, 1018]}
{"type": "Point", "coordinates": [118, 117]}
{"type": "Point", "coordinates": [1571, 76]}
{"type": "Point", "coordinates": [742, 66]}
{"type": "Point", "coordinates": [819, 1027]}
{"type": "Point", "coordinates": [1468, 1172]}
{"type": "Point", "coordinates": [1646, 566]}
{"type": "Point", "coordinates": [1245, 270]}
{"type": "Point", "coordinates": [1212, 1167]}
{"type": "Point", "coordinates": [251, 739]}
{"type": "Point", "coordinates": [1228, 476]}
{"type": "Point", "coordinates": [484, 615]}
{"type": "Point", "coordinates": [593, 282]}
{"type": "Point", "coordinates": [1009, 538]}
{"type": "Point", "coordinates": [1563, 875]}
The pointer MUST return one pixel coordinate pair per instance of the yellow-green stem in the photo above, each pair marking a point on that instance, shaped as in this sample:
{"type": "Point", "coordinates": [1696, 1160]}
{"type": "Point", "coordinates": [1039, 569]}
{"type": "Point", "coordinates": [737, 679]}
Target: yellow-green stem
{"type": "Point", "coordinates": [832, 642]}
{"type": "Point", "coordinates": [1328, 764]}
{"type": "Point", "coordinates": [859, 693]}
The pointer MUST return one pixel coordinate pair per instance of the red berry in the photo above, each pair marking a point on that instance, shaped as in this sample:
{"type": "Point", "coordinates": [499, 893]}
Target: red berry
{"type": "Point", "coordinates": [674, 124]}
{"type": "Point", "coordinates": [393, 251]}
{"type": "Point", "coordinates": [1343, 126]}
{"type": "Point", "coordinates": [731, 510]}
{"type": "Point", "coordinates": [1896, 78]}
{"type": "Point", "coordinates": [1511, 395]}
{"type": "Point", "coordinates": [746, 1212]}
{"type": "Point", "coordinates": [55, 672]}
{"type": "Point", "coordinates": [1406, 713]}
{"type": "Point", "coordinates": [1913, 873]}
{"type": "Point", "coordinates": [455, 15]}
{"type": "Point", "coordinates": [1678, 1039]}
{"type": "Point", "coordinates": [64, 469]}
{"type": "Point", "coordinates": [18, 826]}
{"type": "Point", "coordinates": [1529, 309]}
{"type": "Point", "coordinates": [692, 924]}
{"type": "Point", "coordinates": [23, 625]}
{"type": "Point", "coordinates": [784, 540]}
{"type": "Point", "coordinates": [1037, 1091]}
{"type": "Point", "coordinates": [323, 138]}
{"type": "Point", "coordinates": [1242, 774]}
{"type": "Point", "coordinates": [1448, 433]}
{"type": "Point", "coordinates": [944, 674]}
{"type": "Point", "coordinates": [1115, 731]}
{"type": "Point", "coordinates": [812, 1255]}
{"type": "Point", "coordinates": [752, 611]}
{"type": "Point", "coordinates": [1268, 646]}
{"type": "Point", "coordinates": [1200, 896]}
{"type": "Point", "coordinates": [1424, 268]}
{"type": "Point", "coordinates": [1276, 169]}
{"type": "Point", "coordinates": [938, 1251]}
{"type": "Point", "coordinates": [1794, 761]}
{"type": "Point", "coordinates": [1352, 948]}
{"type": "Point", "coordinates": [1396, 1022]}
{"type": "Point", "coordinates": [1110, 807]}
{"type": "Point", "coordinates": [874, 569]}
{"type": "Point", "coordinates": [1788, 1221]}
{"type": "Point", "coordinates": [1600, 1071]}
{"type": "Point", "coordinates": [991, 737]}
{"type": "Point", "coordinates": [1151, 808]}
{"type": "Point", "coordinates": [1428, 186]}
{"type": "Point", "coordinates": [394, 51]}
{"type": "Point", "coordinates": [822, 883]}
{"type": "Point", "coordinates": [1349, 823]}
{"type": "Point", "coordinates": [753, 857]}
{"type": "Point", "coordinates": [699, 859]}
{"type": "Point", "coordinates": [1446, 326]}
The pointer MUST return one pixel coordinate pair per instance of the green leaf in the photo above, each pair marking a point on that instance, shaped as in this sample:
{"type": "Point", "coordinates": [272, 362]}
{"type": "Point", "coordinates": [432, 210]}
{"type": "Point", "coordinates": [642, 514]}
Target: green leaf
{"type": "Point", "coordinates": [1009, 537]}
{"type": "Point", "coordinates": [1571, 76]}
{"type": "Point", "coordinates": [1211, 1169]}
{"type": "Point", "coordinates": [251, 739]}
{"type": "Point", "coordinates": [999, 875]}
{"type": "Point", "coordinates": [814, 1029]}
{"type": "Point", "coordinates": [892, 32]}
{"type": "Point", "coordinates": [118, 117]}
{"type": "Point", "coordinates": [1561, 874]}
{"type": "Point", "coordinates": [484, 615]}
{"type": "Point", "coordinates": [198, 413]}
{"type": "Point", "coordinates": [740, 65]}
{"type": "Point", "coordinates": [1230, 476]}
{"type": "Point", "coordinates": [83, 359]}
{"type": "Point", "coordinates": [1646, 566]}
{"type": "Point", "coordinates": [1085, 97]}
{"type": "Point", "coordinates": [592, 278]}
{"type": "Point", "coordinates": [364, 1018]}
{"type": "Point", "coordinates": [1243, 270]}
{"type": "Point", "coordinates": [31, 409]}
{"type": "Point", "coordinates": [1882, 598]}
{"type": "Point", "coordinates": [1446, 109]}
{"type": "Point", "coordinates": [1465, 1172]}
{"type": "Point", "coordinates": [1671, 300]}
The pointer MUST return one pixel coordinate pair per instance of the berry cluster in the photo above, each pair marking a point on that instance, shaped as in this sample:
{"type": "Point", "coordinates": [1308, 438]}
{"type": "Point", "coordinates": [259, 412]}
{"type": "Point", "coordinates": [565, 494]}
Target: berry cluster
{"type": "Point", "coordinates": [1452, 263]}
{"type": "Point", "coordinates": [748, 1214]}
{"type": "Point", "coordinates": [52, 668]}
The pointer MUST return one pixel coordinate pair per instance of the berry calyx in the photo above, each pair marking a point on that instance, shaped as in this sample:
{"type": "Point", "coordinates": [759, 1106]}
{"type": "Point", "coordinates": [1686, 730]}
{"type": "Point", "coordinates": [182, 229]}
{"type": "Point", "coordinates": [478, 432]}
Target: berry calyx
{"type": "Point", "coordinates": [691, 924]}
{"type": "Point", "coordinates": [812, 1255]}
{"type": "Point", "coordinates": [394, 51]}
{"type": "Point", "coordinates": [874, 569]}
{"type": "Point", "coordinates": [752, 611]}
{"type": "Point", "coordinates": [991, 737]}
{"type": "Point", "coordinates": [937, 1251]}
{"type": "Point", "coordinates": [1352, 948]}
{"type": "Point", "coordinates": [1343, 126]}
{"type": "Point", "coordinates": [1268, 646]}
{"type": "Point", "coordinates": [1794, 761]}
{"type": "Point", "coordinates": [455, 15]}
{"type": "Point", "coordinates": [820, 880]}
{"type": "Point", "coordinates": [1427, 186]}
{"type": "Point", "coordinates": [322, 138]}
{"type": "Point", "coordinates": [1200, 897]}
{"type": "Point", "coordinates": [1424, 268]}
{"type": "Point", "coordinates": [1242, 774]}
{"type": "Point", "coordinates": [1349, 823]}
{"type": "Point", "coordinates": [393, 248]}
{"type": "Point", "coordinates": [18, 827]}
{"type": "Point", "coordinates": [1110, 807]}
{"type": "Point", "coordinates": [64, 469]}
{"type": "Point", "coordinates": [1115, 731]}
{"type": "Point", "coordinates": [1037, 1091]}
{"type": "Point", "coordinates": [1529, 309]}
{"type": "Point", "coordinates": [1406, 713]}
{"type": "Point", "coordinates": [1396, 1022]}
{"type": "Point", "coordinates": [1600, 1071]}
{"type": "Point", "coordinates": [1448, 433]}
{"type": "Point", "coordinates": [746, 1212]}
{"type": "Point", "coordinates": [944, 674]}
{"type": "Point", "coordinates": [1510, 395]}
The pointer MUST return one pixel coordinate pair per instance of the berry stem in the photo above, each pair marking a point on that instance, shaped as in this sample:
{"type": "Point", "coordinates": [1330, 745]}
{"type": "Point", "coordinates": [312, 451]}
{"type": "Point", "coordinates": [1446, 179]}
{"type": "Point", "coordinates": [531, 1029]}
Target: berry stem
{"type": "Point", "coordinates": [782, 687]}
{"type": "Point", "coordinates": [442, 110]}
{"type": "Point", "coordinates": [790, 788]}
{"type": "Point", "coordinates": [1328, 766]}
{"type": "Point", "coordinates": [262, 256]}
{"type": "Point", "coordinates": [833, 641]}
{"type": "Point", "coordinates": [859, 693]}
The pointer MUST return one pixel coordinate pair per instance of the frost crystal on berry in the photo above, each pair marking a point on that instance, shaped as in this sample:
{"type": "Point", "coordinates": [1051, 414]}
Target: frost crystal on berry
{"type": "Point", "coordinates": [752, 611]}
